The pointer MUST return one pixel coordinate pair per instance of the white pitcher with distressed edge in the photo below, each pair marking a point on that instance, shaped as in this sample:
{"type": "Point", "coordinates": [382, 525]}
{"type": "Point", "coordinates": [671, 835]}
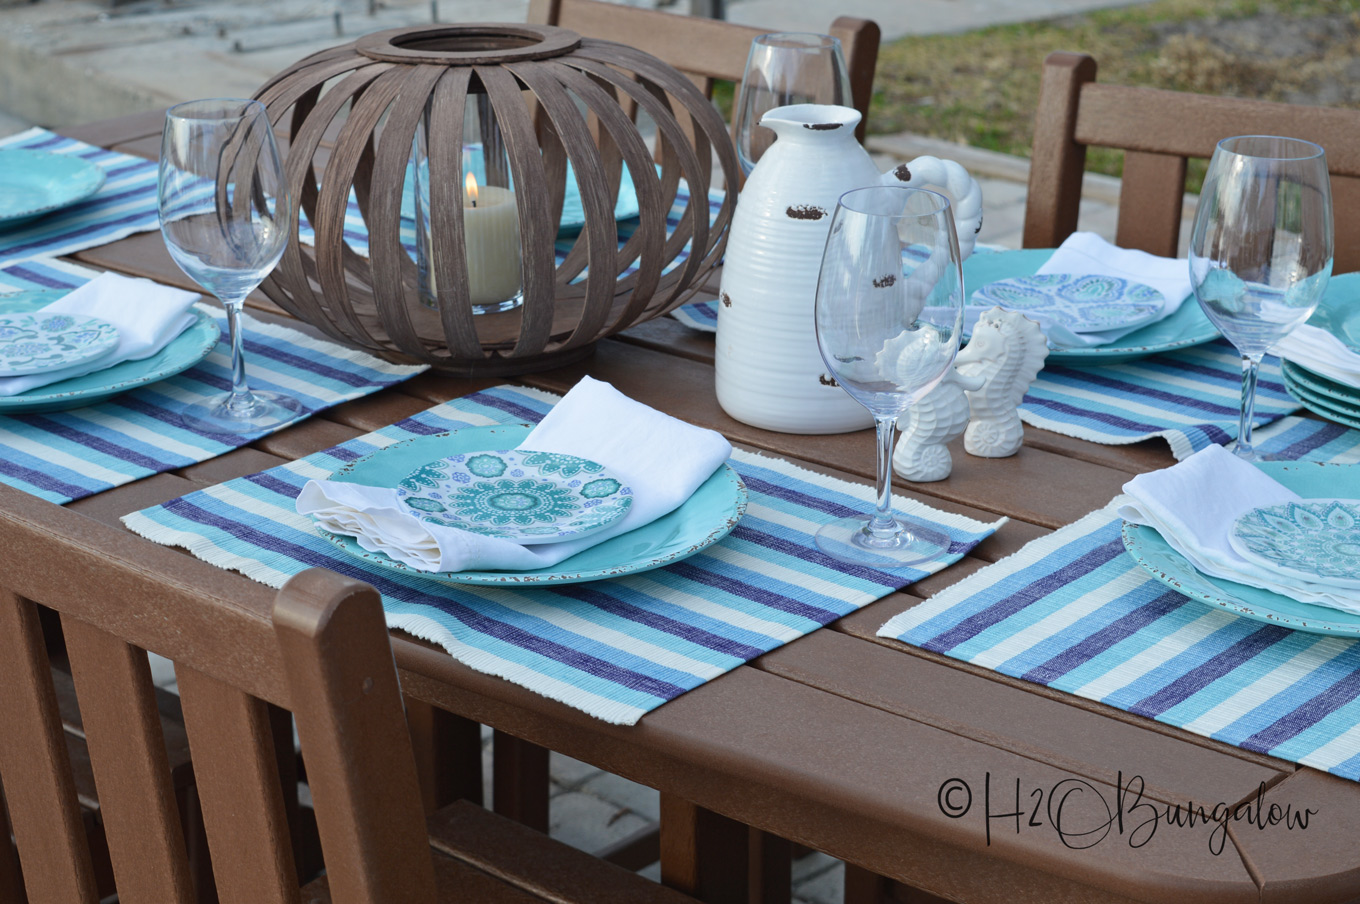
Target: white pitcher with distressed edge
{"type": "Point", "coordinates": [769, 371]}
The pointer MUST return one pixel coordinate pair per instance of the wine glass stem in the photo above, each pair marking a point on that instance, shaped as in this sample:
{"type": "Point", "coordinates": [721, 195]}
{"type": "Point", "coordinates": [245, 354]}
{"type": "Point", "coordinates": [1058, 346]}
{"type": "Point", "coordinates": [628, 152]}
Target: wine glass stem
{"type": "Point", "coordinates": [240, 398]}
{"type": "Point", "coordinates": [882, 523]}
{"type": "Point", "coordinates": [1250, 367]}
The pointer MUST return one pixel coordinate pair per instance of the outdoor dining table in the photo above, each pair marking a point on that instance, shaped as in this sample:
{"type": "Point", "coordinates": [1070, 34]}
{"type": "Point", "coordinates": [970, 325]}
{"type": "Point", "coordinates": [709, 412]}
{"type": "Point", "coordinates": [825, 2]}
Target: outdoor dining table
{"type": "Point", "coordinates": [950, 778]}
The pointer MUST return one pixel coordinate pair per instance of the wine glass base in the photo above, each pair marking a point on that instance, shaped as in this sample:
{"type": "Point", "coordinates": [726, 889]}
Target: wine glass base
{"type": "Point", "coordinates": [1255, 455]}
{"type": "Point", "coordinates": [849, 540]}
{"type": "Point", "coordinates": [266, 411]}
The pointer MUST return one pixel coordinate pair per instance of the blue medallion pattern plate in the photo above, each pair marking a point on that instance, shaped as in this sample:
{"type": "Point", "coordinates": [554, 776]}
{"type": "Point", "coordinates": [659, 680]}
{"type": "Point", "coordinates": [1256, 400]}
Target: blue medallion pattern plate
{"type": "Point", "coordinates": [183, 352]}
{"type": "Point", "coordinates": [1314, 540]}
{"type": "Point", "coordinates": [1163, 563]}
{"type": "Point", "coordinates": [33, 183]}
{"type": "Point", "coordinates": [1083, 304]}
{"type": "Point", "coordinates": [704, 519]}
{"type": "Point", "coordinates": [1185, 328]}
{"type": "Point", "coordinates": [39, 342]}
{"type": "Point", "coordinates": [516, 494]}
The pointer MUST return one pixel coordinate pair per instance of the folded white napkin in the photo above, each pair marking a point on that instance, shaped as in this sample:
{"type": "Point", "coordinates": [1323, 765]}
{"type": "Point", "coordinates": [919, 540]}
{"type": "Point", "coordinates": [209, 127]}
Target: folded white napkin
{"type": "Point", "coordinates": [663, 459]}
{"type": "Point", "coordinates": [148, 316]}
{"type": "Point", "coordinates": [1193, 506]}
{"type": "Point", "coordinates": [1321, 352]}
{"type": "Point", "coordinates": [1087, 254]}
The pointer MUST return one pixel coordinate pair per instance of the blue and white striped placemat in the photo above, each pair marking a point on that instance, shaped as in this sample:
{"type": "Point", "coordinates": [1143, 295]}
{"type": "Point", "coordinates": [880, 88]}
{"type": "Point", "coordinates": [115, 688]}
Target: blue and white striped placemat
{"type": "Point", "coordinates": [125, 205]}
{"type": "Point", "coordinates": [67, 455]}
{"type": "Point", "coordinates": [1190, 398]}
{"type": "Point", "coordinates": [615, 649]}
{"type": "Point", "coordinates": [1073, 611]}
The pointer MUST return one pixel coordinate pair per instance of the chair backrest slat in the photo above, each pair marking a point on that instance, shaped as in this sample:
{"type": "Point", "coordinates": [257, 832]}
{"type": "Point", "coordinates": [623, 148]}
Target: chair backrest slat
{"type": "Point", "coordinates": [706, 49]}
{"type": "Point", "coordinates": [237, 777]}
{"type": "Point", "coordinates": [339, 655]}
{"type": "Point", "coordinates": [131, 771]}
{"type": "Point", "coordinates": [40, 792]}
{"type": "Point", "coordinates": [1155, 129]}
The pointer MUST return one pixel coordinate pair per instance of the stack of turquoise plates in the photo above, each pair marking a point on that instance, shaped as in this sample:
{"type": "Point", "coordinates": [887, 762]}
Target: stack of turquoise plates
{"type": "Point", "coordinates": [1338, 314]}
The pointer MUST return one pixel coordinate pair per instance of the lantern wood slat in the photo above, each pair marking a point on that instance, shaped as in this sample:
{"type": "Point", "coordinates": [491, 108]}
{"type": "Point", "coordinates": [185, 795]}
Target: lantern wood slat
{"type": "Point", "coordinates": [352, 113]}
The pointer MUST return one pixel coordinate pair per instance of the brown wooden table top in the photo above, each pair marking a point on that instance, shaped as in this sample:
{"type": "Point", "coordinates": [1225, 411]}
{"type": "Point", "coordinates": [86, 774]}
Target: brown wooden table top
{"type": "Point", "coordinates": [843, 741]}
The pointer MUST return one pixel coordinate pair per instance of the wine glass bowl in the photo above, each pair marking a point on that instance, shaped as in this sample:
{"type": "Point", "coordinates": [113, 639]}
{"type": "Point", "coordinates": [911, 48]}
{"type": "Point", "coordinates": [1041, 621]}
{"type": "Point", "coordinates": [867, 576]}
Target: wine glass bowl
{"type": "Point", "coordinates": [889, 312]}
{"type": "Point", "coordinates": [225, 217]}
{"type": "Point", "coordinates": [782, 69]}
{"type": "Point", "coordinates": [1261, 249]}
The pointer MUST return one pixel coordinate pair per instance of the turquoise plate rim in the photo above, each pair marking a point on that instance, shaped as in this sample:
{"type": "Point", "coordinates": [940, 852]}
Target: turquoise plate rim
{"type": "Point", "coordinates": [76, 180]}
{"type": "Point", "coordinates": [1186, 328]}
{"type": "Point", "coordinates": [1322, 406]}
{"type": "Point", "coordinates": [1316, 383]}
{"type": "Point", "coordinates": [1155, 556]}
{"type": "Point", "coordinates": [1339, 314]}
{"type": "Point", "coordinates": [183, 352]}
{"type": "Point", "coordinates": [716, 506]}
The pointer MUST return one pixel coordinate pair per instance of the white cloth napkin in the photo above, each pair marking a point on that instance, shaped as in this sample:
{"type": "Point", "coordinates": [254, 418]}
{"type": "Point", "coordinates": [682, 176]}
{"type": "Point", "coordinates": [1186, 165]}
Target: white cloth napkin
{"type": "Point", "coordinates": [1087, 254]}
{"type": "Point", "coordinates": [1321, 352]}
{"type": "Point", "coordinates": [663, 459]}
{"type": "Point", "coordinates": [148, 316]}
{"type": "Point", "coordinates": [1193, 506]}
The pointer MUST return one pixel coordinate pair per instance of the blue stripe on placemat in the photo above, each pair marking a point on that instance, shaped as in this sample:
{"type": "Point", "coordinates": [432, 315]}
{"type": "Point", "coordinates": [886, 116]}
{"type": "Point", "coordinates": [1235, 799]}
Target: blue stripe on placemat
{"type": "Point", "coordinates": [1074, 612]}
{"type": "Point", "coordinates": [1190, 398]}
{"type": "Point", "coordinates": [615, 649]}
{"type": "Point", "coordinates": [65, 455]}
{"type": "Point", "coordinates": [126, 204]}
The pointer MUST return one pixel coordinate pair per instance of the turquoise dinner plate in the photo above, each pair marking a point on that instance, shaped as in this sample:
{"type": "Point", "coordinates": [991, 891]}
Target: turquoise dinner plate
{"type": "Point", "coordinates": [183, 352]}
{"type": "Point", "coordinates": [1310, 480]}
{"type": "Point", "coordinates": [33, 183]}
{"type": "Point", "coordinates": [1342, 413]}
{"type": "Point", "coordinates": [707, 517]}
{"type": "Point", "coordinates": [1187, 327]}
{"type": "Point", "coordinates": [1339, 311]}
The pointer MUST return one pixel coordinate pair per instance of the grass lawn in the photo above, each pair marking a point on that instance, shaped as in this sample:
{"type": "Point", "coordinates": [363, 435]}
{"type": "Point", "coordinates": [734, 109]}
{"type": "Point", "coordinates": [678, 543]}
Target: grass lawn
{"type": "Point", "coordinates": [981, 87]}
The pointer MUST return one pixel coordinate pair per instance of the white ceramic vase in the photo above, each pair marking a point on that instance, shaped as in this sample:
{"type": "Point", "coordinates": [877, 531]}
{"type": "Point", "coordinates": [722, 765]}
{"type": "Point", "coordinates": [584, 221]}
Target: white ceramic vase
{"type": "Point", "coordinates": [770, 373]}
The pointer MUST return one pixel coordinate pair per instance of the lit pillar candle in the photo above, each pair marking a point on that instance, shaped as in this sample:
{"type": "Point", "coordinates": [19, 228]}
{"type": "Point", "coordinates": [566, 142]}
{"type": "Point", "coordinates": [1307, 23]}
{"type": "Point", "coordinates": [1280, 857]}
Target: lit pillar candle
{"type": "Point", "coordinates": [491, 231]}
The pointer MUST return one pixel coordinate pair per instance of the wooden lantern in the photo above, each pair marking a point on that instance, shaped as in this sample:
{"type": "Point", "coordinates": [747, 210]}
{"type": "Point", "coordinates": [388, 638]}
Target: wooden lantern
{"type": "Point", "coordinates": [350, 115]}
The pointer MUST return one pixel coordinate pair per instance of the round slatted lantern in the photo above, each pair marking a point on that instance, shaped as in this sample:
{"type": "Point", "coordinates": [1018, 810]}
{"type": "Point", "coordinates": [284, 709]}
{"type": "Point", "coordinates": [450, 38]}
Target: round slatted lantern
{"type": "Point", "coordinates": [544, 97]}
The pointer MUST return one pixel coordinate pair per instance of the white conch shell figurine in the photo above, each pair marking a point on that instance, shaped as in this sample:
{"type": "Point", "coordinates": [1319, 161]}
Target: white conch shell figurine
{"type": "Point", "coordinates": [939, 418]}
{"type": "Point", "coordinates": [1007, 350]}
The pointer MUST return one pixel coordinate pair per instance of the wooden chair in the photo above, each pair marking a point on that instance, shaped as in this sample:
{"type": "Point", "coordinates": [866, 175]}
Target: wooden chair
{"type": "Point", "coordinates": [706, 49]}
{"type": "Point", "coordinates": [320, 648]}
{"type": "Point", "coordinates": [1157, 131]}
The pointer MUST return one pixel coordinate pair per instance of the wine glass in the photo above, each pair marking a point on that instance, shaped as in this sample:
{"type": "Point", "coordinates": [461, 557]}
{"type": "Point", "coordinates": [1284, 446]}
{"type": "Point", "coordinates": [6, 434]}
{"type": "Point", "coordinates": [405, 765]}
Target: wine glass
{"type": "Point", "coordinates": [888, 326]}
{"type": "Point", "coordinates": [1261, 249]}
{"type": "Point", "coordinates": [782, 69]}
{"type": "Point", "coordinates": [225, 216]}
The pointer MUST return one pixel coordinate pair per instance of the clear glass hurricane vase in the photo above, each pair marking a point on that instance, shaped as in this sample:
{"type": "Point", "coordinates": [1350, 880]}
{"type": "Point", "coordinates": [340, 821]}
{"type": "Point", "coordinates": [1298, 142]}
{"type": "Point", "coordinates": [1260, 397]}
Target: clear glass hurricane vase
{"type": "Point", "coordinates": [889, 312]}
{"type": "Point", "coordinates": [1261, 249]}
{"type": "Point", "coordinates": [782, 69]}
{"type": "Point", "coordinates": [225, 216]}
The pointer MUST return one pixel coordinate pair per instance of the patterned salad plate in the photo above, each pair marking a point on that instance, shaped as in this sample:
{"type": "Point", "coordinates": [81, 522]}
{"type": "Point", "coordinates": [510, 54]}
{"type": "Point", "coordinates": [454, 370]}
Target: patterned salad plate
{"type": "Point", "coordinates": [1083, 304]}
{"type": "Point", "coordinates": [1313, 539]}
{"type": "Point", "coordinates": [516, 494]}
{"type": "Point", "coordinates": [38, 342]}
{"type": "Point", "coordinates": [1310, 480]}
{"type": "Point", "coordinates": [183, 352]}
{"type": "Point", "coordinates": [705, 518]}
{"type": "Point", "coordinates": [1185, 328]}
{"type": "Point", "coordinates": [33, 183]}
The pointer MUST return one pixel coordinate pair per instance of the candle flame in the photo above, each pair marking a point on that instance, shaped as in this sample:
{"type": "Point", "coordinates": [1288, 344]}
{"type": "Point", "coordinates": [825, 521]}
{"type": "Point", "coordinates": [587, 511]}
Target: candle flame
{"type": "Point", "coordinates": [470, 185]}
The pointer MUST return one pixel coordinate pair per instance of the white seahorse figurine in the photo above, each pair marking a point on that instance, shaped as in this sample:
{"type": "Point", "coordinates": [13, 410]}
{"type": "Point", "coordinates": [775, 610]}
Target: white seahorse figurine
{"type": "Point", "coordinates": [937, 419]}
{"type": "Point", "coordinates": [1007, 350]}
